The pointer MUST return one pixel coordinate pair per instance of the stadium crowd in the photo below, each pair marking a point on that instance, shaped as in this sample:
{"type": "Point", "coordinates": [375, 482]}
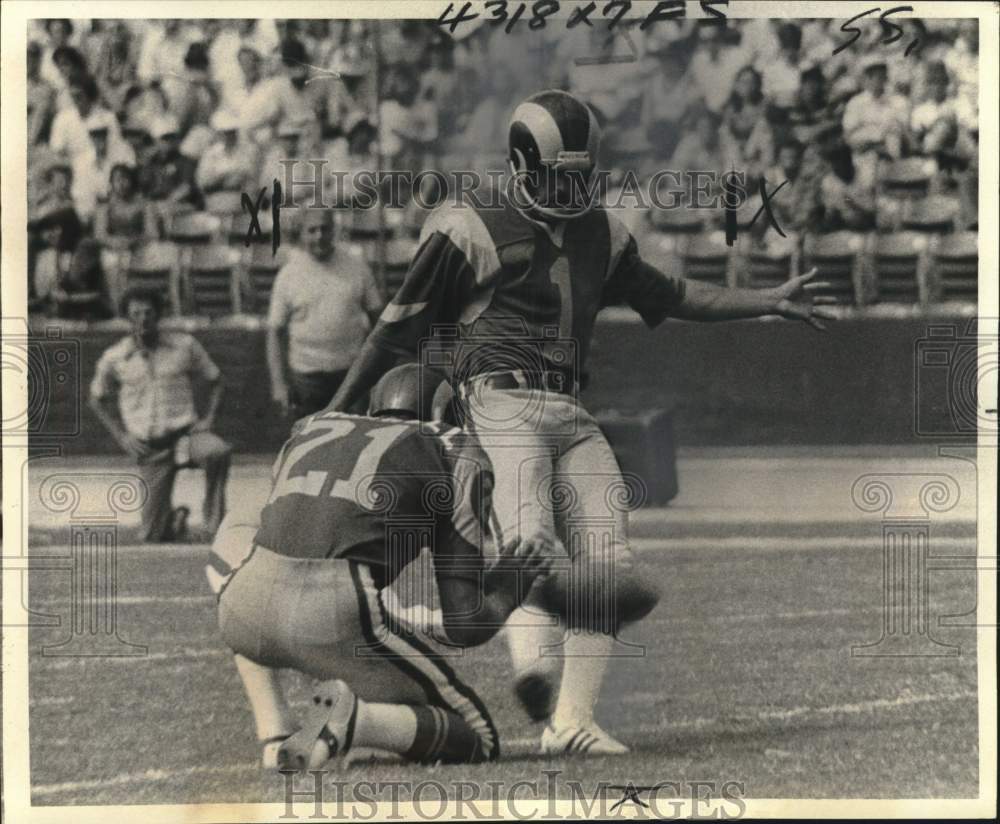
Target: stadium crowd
{"type": "Point", "coordinates": [143, 134]}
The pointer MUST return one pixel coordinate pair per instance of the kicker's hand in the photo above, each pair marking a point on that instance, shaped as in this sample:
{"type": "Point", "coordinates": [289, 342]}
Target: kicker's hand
{"type": "Point", "coordinates": [801, 299]}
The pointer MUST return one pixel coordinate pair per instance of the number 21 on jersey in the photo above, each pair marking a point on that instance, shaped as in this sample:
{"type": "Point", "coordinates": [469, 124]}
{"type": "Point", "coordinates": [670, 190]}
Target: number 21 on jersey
{"type": "Point", "coordinates": [353, 488]}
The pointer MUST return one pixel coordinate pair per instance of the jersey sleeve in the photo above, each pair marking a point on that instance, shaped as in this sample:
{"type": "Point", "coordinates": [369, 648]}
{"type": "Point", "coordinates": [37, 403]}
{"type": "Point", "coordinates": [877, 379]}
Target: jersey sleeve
{"type": "Point", "coordinates": [655, 295]}
{"type": "Point", "coordinates": [463, 530]}
{"type": "Point", "coordinates": [444, 265]}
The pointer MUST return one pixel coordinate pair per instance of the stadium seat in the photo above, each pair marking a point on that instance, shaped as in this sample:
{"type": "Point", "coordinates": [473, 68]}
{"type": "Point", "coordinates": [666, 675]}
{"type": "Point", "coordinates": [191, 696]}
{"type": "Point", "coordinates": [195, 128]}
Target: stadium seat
{"type": "Point", "coordinates": [677, 221]}
{"type": "Point", "coordinates": [156, 266]}
{"type": "Point", "coordinates": [907, 179]}
{"type": "Point", "coordinates": [746, 213]}
{"type": "Point", "coordinates": [898, 267]}
{"type": "Point", "coordinates": [224, 203]}
{"type": "Point", "coordinates": [955, 267]}
{"type": "Point", "coordinates": [260, 268]}
{"type": "Point", "coordinates": [708, 258]}
{"type": "Point", "coordinates": [237, 226]}
{"type": "Point", "coordinates": [888, 213]}
{"type": "Point", "coordinates": [194, 227]}
{"type": "Point", "coordinates": [212, 283]}
{"type": "Point", "coordinates": [766, 267]}
{"type": "Point", "coordinates": [837, 257]}
{"type": "Point", "coordinates": [934, 214]}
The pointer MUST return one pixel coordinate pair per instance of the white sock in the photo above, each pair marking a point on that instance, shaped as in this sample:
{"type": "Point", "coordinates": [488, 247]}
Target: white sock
{"type": "Point", "coordinates": [528, 633]}
{"type": "Point", "coordinates": [389, 727]}
{"type": "Point", "coordinates": [586, 659]}
{"type": "Point", "coordinates": [271, 714]}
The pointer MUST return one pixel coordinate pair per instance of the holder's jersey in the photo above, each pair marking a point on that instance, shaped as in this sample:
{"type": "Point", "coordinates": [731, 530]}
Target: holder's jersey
{"type": "Point", "coordinates": [379, 491]}
{"type": "Point", "coordinates": [519, 293]}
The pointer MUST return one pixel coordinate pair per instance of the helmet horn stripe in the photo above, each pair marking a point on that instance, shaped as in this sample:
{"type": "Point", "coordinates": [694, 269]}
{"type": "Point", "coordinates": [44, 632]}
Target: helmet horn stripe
{"type": "Point", "coordinates": [543, 127]}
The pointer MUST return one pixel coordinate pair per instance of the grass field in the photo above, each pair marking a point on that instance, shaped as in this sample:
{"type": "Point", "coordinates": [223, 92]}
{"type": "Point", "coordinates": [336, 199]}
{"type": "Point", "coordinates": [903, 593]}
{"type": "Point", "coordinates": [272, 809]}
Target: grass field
{"type": "Point", "coordinates": [747, 676]}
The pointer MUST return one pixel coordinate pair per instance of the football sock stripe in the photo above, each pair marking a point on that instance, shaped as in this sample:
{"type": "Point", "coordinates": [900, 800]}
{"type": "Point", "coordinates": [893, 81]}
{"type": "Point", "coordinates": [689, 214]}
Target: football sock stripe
{"type": "Point", "coordinates": [439, 681]}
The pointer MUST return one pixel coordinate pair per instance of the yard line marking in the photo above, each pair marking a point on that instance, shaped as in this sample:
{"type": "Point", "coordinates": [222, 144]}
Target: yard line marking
{"type": "Point", "coordinates": [668, 544]}
{"type": "Point", "coordinates": [525, 745]}
{"type": "Point", "coordinates": [130, 600]}
{"type": "Point", "coordinates": [54, 662]}
{"type": "Point", "coordinates": [779, 616]}
{"type": "Point", "coordinates": [855, 708]}
{"type": "Point", "coordinates": [138, 778]}
{"type": "Point", "coordinates": [772, 544]}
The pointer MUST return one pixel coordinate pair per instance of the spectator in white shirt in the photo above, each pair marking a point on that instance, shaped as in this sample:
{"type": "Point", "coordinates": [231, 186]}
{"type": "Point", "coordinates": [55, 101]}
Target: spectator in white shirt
{"type": "Point", "coordinates": [782, 73]}
{"type": "Point", "coordinates": [154, 376]}
{"type": "Point", "coordinates": [352, 96]}
{"type": "Point", "coordinates": [934, 122]}
{"type": "Point", "coordinates": [286, 98]}
{"type": "Point", "coordinates": [714, 66]}
{"type": "Point", "coordinates": [318, 42]}
{"type": "Point", "coordinates": [228, 164]}
{"type": "Point", "coordinates": [408, 125]}
{"type": "Point", "coordinates": [875, 122]}
{"type": "Point", "coordinates": [198, 99]}
{"type": "Point", "coordinates": [92, 169]}
{"type": "Point", "coordinates": [162, 57]}
{"type": "Point", "coordinates": [238, 90]}
{"type": "Point", "coordinates": [59, 34]}
{"type": "Point", "coordinates": [115, 67]}
{"type": "Point", "coordinates": [667, 96]}
{"type": "Point", "coordinates": [69, 134]}
{"type": "Point", "coordinates": [41, 98]}
{"type": "Point", "coordinates": [322, 306]}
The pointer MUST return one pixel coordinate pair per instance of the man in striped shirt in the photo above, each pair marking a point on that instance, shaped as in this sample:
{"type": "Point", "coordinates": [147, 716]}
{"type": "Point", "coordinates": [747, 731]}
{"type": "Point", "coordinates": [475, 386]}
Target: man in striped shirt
{"type": "Point", "coordinates": [153, 375]}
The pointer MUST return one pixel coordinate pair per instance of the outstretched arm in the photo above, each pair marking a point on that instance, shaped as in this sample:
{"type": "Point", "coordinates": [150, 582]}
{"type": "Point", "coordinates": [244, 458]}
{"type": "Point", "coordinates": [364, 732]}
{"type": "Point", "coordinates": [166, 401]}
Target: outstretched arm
{"type": "Point", "coordinates": [798, 299]}
{"type": "Point", "coordinates": [655, 295]}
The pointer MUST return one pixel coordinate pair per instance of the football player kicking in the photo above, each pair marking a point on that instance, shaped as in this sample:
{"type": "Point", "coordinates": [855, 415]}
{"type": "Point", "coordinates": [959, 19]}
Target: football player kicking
{"type": "Point", "coordinates": [353, 501]}
{"type": "Point", "coordinates": [521, 285]}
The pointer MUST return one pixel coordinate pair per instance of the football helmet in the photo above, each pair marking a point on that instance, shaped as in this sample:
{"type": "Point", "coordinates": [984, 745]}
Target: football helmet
{"type": "Point", "coordinates": [406, 391]}
{"type": "Point", "coordinates": [553, 132]}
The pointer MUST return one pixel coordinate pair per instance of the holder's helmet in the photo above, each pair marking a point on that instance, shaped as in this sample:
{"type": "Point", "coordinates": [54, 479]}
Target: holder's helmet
{"type": "Point", "coordinates": [553, 132]}
{"type": "Point", "coordinates": [406, 391]}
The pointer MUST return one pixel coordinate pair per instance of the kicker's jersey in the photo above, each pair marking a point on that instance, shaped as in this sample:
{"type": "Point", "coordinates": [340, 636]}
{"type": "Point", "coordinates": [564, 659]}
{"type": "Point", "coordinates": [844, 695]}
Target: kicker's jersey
{"type": "Point", "coordinates": [518, 293]}
{"type": "Point", "coordinates": [379, 491]}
